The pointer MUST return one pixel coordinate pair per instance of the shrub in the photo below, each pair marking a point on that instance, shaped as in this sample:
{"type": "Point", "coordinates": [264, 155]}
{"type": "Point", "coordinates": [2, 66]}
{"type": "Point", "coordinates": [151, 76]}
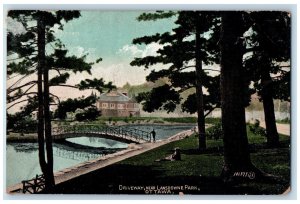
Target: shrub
{"type": "Point", "coordinates": [89, 114]}
{"type": "Point", "coordinates": [213, 120]}
{"type": "Point", "coordinates": [284, 121]}
{"type": "Point", "coordinates": [215, 132]}
{"type": "Point", "coordinates": [256, 129]}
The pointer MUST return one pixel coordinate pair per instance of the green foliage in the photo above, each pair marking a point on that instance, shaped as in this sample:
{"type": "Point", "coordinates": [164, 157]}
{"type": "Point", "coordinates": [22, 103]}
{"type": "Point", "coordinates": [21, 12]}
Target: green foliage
{"type": "Point", "coordinates": [158, 121]}
{"type": "Point", "coordinates": [126, 120]}
{"type": "Point", "coordinates": [24, 46]}
{"type": "Point", "coordinates": [177, 53]}
{"type": "Point", "coordinates": [210, 120]}
{"type": "Point", "coordinates": [60, 79]}
{"type": "Point", "coordinates": [89, 114]}
{"type": "Point", "coordinates": [256, 129]}
{"type": "Point", "coordinates": [155, 16]}
{"type": "Point", "coordinates": [71, 105]}
{"type": "Point", "coordinates": [181, 120]}
{"type": "Point", "coordinates": [22, 120]}
{"type": "Point", "coordinates": [270, 44]}
{"type": "Point", "coordinates": [18, 123]}
{"type": "Point", "coordinates": [97, 84]}
{"type": "Point", "coordinates": [284, 121]}
{"type": "Point", "coordinates": [215, 132]}
{"type": "Point", "coordinates": [148, 119]}
{"type": "Point", "coordinates": [162, 96]}
{"type": "Point", "coordinates": [21, 67]}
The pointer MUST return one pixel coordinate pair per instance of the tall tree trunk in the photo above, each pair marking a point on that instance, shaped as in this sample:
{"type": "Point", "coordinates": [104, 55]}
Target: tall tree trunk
{"type": "Point", "coordinates": [199, 92]}
{"type": "Point", "coordinates": [44, 121]}
{"type": "Point", "coordinates": [40, 67]}
{"type": "Point", "coordinates": [236, 153]}
{"type": "Point", "coordinates": [268, 103]}
{"type": "Point", "coordinates": [48, 135]}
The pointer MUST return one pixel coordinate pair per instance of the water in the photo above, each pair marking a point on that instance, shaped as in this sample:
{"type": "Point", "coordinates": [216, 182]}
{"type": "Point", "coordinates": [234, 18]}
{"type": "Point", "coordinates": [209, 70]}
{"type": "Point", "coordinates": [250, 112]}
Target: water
{"type": "Point", "coordinates": [162, 131]}
{"type": "Point", "coordinates": [22, 158]}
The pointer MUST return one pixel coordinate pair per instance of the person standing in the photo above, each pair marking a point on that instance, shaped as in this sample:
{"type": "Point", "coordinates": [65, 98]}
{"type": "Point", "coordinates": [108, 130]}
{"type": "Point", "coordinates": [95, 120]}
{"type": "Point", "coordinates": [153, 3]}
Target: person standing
{"type": "Point", "coordinates": [153, 134]}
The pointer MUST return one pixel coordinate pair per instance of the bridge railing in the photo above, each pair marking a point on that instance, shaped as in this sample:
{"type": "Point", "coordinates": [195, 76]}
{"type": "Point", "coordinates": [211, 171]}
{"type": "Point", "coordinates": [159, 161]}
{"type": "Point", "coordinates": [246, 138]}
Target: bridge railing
{"type": "Point", "coordinates": [123, 132]}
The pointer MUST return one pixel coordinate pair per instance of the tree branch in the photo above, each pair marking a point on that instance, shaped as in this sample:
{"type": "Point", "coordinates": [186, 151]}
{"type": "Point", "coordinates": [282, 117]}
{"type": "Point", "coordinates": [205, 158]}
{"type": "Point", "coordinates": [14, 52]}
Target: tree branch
{"type": "Point", "coordinates": [18, 81]}
{"type": "Point", "coordinates": [19, 87]}
{"type": "Point", "coordinates": [16, 103]}
{"type": "Point", "coordinates": [13, 98]}
{"type": "Point", "coordinates": [55, 97]}
{"type": "Point", "coordinates": [29, 88]}
{"type": "Point", "coordinates": [65, 85]}
{"type": "Point", "coordinates": [213, 108]}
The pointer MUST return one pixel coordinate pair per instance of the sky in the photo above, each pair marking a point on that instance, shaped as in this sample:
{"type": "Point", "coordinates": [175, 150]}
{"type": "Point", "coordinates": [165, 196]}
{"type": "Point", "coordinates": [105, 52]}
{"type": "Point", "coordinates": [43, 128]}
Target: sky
{"type": "Point", "coordinates": [105, 34]}
{"type": "Point", "coordinates": [109, 35]}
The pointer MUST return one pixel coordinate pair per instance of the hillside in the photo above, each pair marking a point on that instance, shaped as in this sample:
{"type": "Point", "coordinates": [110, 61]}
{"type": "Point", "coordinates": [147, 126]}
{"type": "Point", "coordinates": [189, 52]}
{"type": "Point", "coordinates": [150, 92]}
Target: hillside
{"type": "Point", "coordinates": [255, 104]}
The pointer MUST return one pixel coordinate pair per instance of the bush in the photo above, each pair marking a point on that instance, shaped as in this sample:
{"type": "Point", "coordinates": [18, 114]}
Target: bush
{"type": "Point", "coordinates": [284, 121]}
{"type": "Point", "coordinates": [21, 124]}
{"type": "Point", "coordinates": [256, 129]}
{"type": "Point", "coordinates": [213, 120]}
{"type": "Point", "coordinates": [89, 114]}
{"type": "Point", "coordinates": [215, 132]}
{"type": "Point", "coordinates": [181, 120]}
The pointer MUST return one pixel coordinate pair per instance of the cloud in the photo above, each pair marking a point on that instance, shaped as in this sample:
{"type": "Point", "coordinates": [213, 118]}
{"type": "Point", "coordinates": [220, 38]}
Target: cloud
{"type": "Point", "coordinates": [135, 51]}
{"type": "Point", "coordinates": [131, 49]}
{"type": "Point", "coordinates": [79, 51]}
{"type": "Point", "coordinates": [120, 73]}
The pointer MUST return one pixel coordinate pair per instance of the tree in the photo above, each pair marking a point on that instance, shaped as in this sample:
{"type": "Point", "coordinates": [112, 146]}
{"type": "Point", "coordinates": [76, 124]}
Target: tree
{"type": "Point", "coordinates": [236, 152]}
{"type": "Point", "coordinates": [71, 105]}
{"type": "Point", "coordinates": [30, 48]}
{"type": "Point", "coordinates": [183, 55]}
{"type": "Point", "coordinates": [269, 62]}
{"type": "Point", "coordinates": [89, 114]}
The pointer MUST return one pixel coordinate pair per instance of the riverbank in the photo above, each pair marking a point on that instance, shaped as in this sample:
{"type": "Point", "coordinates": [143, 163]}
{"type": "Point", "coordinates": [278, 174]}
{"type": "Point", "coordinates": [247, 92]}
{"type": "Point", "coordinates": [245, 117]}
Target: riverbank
{"type": "Point", "coordinates": [101, 162]}
{"type": "Point", "coordinates": [17, 137]}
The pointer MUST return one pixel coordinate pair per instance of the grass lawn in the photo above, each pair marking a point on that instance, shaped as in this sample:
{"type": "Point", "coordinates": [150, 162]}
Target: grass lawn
{"type": "Point", "coordinates": [195, 174]}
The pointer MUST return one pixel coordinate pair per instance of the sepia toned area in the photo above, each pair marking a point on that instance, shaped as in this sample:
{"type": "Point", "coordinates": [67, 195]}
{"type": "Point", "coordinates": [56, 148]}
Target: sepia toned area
{"type": "Point", "coordinates": [157, 102]}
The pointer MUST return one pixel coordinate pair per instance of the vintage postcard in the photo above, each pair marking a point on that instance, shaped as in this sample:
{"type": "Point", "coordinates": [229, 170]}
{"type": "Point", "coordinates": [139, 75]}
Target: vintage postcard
{"type": "Point", "coordinates": [167, 102]}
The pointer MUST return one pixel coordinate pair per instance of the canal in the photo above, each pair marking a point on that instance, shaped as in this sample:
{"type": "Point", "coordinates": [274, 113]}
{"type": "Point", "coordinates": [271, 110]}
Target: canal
{"type": "Point", "coordinates": [22, 158]}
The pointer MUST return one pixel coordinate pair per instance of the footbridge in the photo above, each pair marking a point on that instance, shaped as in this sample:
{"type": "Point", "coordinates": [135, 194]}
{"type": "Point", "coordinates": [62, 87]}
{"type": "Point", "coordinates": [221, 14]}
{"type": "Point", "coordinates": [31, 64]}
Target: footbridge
{"type": "Point", "coordinates": [118, 133]}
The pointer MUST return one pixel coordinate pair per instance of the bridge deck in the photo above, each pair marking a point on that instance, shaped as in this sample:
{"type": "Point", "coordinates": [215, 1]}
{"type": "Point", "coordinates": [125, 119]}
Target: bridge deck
{"type": "Point", "coordinates": [123, 134]}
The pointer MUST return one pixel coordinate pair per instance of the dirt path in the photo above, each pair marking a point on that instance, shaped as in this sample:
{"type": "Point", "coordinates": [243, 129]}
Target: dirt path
{"type": "Point", "coordinates": [101, 162]}
{"type": "Point", "coordinates": [281, 128]}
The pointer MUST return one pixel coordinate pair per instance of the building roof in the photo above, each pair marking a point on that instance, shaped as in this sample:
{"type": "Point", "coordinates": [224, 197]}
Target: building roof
{"type": "Point", "coordinates": [114, 96]}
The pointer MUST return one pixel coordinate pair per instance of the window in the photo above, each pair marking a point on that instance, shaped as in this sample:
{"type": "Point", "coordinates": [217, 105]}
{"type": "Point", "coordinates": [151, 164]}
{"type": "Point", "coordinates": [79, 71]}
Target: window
{"type": "Point", "coordinates": [112, 106]}
{"type": "Point", "coordinates": [104, 105]}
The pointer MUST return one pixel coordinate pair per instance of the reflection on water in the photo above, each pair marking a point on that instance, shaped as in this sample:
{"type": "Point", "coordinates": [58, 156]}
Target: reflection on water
{"type": "Point", "coordinates": [97, 142]}
{"type": "Point", "coordinates": [23, 163]}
